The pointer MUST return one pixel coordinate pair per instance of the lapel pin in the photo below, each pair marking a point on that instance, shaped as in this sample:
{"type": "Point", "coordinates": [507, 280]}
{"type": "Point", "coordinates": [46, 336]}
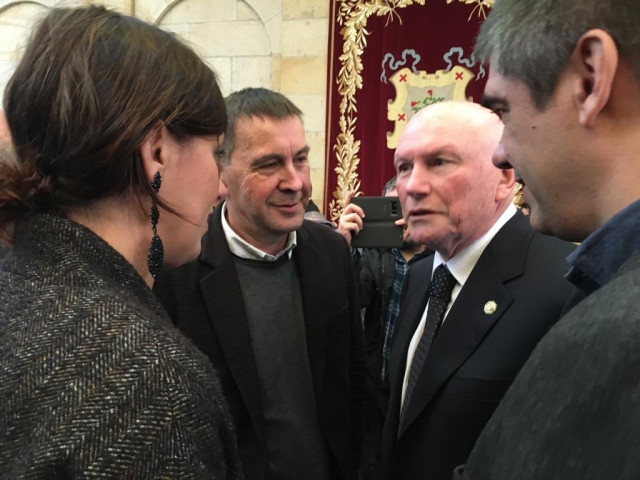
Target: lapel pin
{"type": "Point", "coordinates": [490, 307]}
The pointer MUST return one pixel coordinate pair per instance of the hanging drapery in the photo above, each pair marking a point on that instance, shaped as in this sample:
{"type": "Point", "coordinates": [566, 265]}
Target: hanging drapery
{"type": "Point", "coordinates": [388, 59]}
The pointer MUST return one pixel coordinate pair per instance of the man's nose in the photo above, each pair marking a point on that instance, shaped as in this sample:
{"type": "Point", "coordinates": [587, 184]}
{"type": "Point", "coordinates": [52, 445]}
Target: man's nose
{"type": "Point", "coordinates": [499, 157]}
{"type": "Point", "coordinates": [291, 179]}
{"type": "Point", "coordinates": [418, 182]}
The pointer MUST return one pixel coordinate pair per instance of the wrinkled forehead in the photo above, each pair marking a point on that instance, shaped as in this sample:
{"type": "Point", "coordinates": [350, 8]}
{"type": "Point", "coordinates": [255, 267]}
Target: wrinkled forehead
{"type": "Point", "coordinates": [259, 127]}
{"type": "Point", "coordinates": [268, 136]}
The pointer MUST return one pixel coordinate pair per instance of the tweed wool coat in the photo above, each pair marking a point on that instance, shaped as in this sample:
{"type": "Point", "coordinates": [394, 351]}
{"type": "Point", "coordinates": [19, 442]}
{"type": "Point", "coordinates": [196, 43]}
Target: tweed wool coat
{"type": "Point", "coordinates": [95, 382]}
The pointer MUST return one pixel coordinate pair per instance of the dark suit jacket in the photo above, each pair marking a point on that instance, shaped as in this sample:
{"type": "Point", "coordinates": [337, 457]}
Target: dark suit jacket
{"type": "Point", "coordinates": [205, 301]}
{"type": "Point", "coordinates": [572, 412]}
{"type": "Point", "coordinates": [475, 356]}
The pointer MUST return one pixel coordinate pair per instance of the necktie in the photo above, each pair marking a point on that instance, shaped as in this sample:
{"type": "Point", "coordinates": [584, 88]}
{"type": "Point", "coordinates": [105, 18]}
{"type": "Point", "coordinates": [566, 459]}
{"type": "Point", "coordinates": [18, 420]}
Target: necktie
{"type": "Point", "coordinates": [439, 293]}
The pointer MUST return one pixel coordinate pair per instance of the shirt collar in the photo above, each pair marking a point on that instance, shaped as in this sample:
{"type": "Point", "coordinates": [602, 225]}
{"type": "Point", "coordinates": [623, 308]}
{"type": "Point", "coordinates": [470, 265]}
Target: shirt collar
{"type": "Point", "coordinates": [397, 255]}
{"type": "Point", "coordinates": [461, 264]}
{"type": "Point", "coordinates": [243, 249]}
{"type": "Point", "coordinates": [603, 252]}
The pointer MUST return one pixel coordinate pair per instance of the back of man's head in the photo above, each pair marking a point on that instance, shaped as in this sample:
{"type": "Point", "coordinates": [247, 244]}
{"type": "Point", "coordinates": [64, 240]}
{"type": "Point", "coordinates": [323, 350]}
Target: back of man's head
{"type": "Point", "coordinates": [254, 102]}
{"type": "Point", "coordinates": [532, 40]}
{"type": "Point", "coordinates": [390, 186]}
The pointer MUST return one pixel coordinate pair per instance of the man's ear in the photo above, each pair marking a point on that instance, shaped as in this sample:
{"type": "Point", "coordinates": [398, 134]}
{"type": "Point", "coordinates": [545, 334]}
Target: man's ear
{"type": "Point", "coordinates": [595, 61]}
{"type": "Point", "coordinates": [506, 184]}
{"type": "Point", "coordinates": [155, 150]}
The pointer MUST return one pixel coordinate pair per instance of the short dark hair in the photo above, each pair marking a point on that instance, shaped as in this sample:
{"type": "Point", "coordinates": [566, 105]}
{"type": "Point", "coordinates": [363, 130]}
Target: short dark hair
{"type": "Point", "coordinates": [390, 185]}
{"type": "Point", "coordinates": [90, 87]}
{"type": "Point", "coordinates": [254, 102]}
{"type": "Point", "coordinates": [532, 40]}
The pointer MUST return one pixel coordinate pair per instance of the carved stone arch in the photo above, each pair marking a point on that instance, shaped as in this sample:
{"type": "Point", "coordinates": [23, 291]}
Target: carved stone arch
{"type": "Point", "coordinates": [229, 35]}
{"type": "Point", "coordinates": [270, 12]}
{"type": "Point", "coordinates": [14, 17]}
{"type": "Point", "coordinates": [8, 4]}
{"type": "Point", "coordinates": [152, 11]}
{"type": "Point", "coordinates": [166, 10]}
{"type": "Point", "coordinates": [264, 14]}
{"type": "Point", "coordinates": [18, 20]}
{"type": "Point", "coordinates": [265, 9]}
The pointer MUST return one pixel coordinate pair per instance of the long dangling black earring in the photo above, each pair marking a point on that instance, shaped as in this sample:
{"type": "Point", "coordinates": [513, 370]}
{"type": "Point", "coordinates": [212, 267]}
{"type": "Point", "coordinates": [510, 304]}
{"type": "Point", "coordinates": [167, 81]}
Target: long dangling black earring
{"type": "Point", "coordinates": [155, 255]}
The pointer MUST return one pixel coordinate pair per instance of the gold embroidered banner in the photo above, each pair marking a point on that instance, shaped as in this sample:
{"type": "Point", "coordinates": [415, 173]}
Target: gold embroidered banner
{"type": "Point", "coordinates": [388, 59]}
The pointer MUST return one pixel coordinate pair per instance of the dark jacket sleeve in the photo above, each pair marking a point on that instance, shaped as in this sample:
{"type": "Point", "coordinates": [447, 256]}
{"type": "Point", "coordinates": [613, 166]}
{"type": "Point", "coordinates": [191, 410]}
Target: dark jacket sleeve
{"type": "Point", "coordinates": [366, 279]}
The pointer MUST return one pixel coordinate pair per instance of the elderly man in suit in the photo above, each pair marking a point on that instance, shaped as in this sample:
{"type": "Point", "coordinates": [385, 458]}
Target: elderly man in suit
{"type": "Point", "coordinates": [565, 77]}
{"type": "Point", "coordinates": [272, 301]}
{"type": "Point", "coordinates": [471, 313]}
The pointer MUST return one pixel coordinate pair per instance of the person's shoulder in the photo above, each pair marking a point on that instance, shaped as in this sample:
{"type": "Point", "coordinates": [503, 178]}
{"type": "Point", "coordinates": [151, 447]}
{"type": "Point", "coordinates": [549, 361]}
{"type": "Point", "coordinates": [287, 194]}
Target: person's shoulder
{"type": "Point", "coordinates": [319, 241]}
{"type": "Point", "coordinates": [74, 314]}
{"type": "Point", "coordinates": [519, 232]}
{"type": "Point", "coordinates": [608, 313]}
{"type": "Point", "coordinates": [624, 287]}
{"type": "Point", "coordinates": [311, 231]}
{"type": "Point", "coordinates": [554, 244]}
{"type": "Point", "coordinates": [186, 274]}
{"type": "Point", "coordinates": [423, 256]}
{"type": "Point", "coordinates": [145, 331]}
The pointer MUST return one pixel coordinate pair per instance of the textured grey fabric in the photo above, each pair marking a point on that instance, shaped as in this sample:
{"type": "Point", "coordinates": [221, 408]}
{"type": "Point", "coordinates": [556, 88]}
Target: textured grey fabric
{"type": "Point", "coordinates": [573, 412]}
{"type": "Point", "coordinates": [95, 382]}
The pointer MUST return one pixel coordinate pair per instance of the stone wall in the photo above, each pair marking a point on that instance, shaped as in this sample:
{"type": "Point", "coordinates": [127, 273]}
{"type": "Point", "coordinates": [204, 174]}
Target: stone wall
{"type": "Point", "coordinates": [278, 44]}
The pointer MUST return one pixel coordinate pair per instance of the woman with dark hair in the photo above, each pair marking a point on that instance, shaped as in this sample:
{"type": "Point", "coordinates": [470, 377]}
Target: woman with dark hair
{"type": "Point", "coordinates": [116, 126]}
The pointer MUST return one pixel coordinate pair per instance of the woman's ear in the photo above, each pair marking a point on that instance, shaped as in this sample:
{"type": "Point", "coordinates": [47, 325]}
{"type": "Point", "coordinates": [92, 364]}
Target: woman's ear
{"type": "Point", "coordinates": [155, 150]}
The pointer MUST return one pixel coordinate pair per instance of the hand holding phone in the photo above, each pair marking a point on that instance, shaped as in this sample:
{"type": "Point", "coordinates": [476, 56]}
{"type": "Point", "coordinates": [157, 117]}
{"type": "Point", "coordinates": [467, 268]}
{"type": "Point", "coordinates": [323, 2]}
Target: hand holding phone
{"type": "Point", "coordinates": [350, 222]}
{"type": "Point", "coordinates": [378, 229]}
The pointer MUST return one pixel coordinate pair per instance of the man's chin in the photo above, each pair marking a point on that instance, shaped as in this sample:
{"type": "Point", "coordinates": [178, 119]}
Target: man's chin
{"type": "Point", "coordinates": [541, 222]}
{"type": "Point", "coordinates": [558, 227]}
{"type": "Point", "coordinates": [289, 225]}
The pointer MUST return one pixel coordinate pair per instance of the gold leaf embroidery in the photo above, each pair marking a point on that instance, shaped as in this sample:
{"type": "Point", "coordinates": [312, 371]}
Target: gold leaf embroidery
{"type": "Point", "coordinates": [352, 16]}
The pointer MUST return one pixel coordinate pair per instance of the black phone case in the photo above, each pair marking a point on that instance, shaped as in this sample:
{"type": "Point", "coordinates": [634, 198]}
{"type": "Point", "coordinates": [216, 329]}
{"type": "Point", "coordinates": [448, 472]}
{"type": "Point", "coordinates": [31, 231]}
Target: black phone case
{"type": "Point", "coordinates": [379, 229]}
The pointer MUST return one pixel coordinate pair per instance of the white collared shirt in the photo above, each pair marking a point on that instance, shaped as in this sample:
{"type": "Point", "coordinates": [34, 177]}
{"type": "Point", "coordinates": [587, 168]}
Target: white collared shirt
{"type": "Point", "coordinates": [460, 265]}
{"type": "Point", "coordinates": [243, 249]}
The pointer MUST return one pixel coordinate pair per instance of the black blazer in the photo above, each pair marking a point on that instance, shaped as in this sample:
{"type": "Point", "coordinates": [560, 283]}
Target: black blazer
{"type": "Point", "coordinates": [205, 301]}
{"type": "Point", "coordinates": [476, 355]}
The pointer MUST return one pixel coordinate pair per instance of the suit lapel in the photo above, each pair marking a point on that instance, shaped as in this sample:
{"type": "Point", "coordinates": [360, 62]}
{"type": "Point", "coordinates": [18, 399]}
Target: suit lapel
{"type": "Point", "coordinates": [462, 332]}
{"type": "Point", "coordinates": [467, 323]}
{"type": "Point", "coordinates": [315, 289]}
{"type": "Point", "coordinates": [228, 316]}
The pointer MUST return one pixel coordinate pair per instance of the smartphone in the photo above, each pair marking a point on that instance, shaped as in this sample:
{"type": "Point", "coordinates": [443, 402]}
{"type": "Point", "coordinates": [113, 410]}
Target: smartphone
{"type": "Point", "coordinates": [378, 225]}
